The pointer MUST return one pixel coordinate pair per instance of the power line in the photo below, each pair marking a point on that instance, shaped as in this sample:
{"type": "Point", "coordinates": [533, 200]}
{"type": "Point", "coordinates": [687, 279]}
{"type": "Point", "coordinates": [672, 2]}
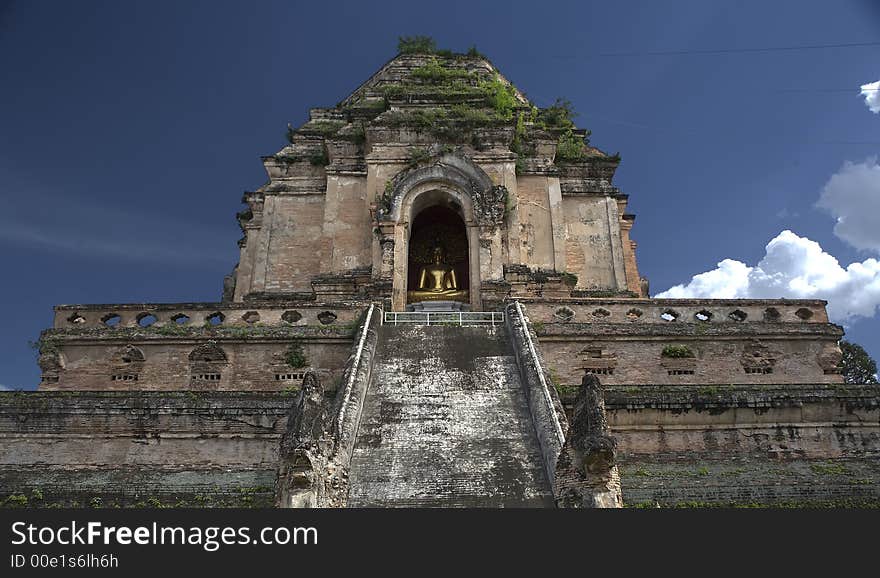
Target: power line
{"type": "Point", "coordinates": [742, 50]}
{"type": "Point", "coordinates": [860, 90]}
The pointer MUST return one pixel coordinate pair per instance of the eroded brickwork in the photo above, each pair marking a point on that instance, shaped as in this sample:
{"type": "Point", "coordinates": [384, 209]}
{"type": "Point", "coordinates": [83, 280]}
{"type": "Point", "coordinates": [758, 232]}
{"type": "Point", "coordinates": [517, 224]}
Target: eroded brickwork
{"type": "Point", "coordinates": [795, 446]}
{"type": "Point", "coordinates": [681, 342]}
{"type": "Point", "coordinates": [203, 347]}
{"type": "Point", "coordinates": [148, 449]}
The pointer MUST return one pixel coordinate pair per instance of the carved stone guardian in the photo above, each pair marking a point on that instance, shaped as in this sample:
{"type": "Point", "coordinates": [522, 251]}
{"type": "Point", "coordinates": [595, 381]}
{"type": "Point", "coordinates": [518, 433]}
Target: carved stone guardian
{"type": "Point", "coordinates": [586, 472]}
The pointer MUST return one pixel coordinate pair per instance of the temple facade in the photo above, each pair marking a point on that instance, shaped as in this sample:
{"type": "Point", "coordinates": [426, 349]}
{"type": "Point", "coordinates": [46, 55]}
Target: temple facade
{"type": "Point", "coordinates": [410, 161]}
{"type": "Point", "coordinates": [438, 281]}
{"type": "Point", "coordinates": [437, 184]}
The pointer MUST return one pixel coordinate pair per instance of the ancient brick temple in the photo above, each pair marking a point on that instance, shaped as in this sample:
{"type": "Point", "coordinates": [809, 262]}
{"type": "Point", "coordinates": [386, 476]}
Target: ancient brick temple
{"type": "Point", "coordinates": [438, 303]}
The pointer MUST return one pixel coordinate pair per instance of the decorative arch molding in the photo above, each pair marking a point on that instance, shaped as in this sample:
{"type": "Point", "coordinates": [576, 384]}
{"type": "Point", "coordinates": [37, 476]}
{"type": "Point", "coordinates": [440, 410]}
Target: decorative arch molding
{"type": "Point", "coordinates": [207, 362]}
{"type": "Point", "coordinates": [208, 352]}
{"type": "Point", "coordinates": [127, 354]}
{"type": "Point", "coordinates": [126, 364]}
{"type": "Point", "coordinates": [453, 180]}
{"type": "Point", "coordinates": [452, 172]}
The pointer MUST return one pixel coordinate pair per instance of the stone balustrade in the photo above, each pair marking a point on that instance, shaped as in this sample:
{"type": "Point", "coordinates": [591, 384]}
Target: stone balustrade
{"type": "Point", "coordinates": [663, 311]}
{"type": "Point", "coordinates": [200, 314]}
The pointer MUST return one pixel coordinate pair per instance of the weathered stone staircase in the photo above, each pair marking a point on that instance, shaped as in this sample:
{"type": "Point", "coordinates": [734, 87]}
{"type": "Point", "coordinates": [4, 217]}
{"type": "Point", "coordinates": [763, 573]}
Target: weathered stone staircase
{"type": "Point", "coordinates": [446, 423]}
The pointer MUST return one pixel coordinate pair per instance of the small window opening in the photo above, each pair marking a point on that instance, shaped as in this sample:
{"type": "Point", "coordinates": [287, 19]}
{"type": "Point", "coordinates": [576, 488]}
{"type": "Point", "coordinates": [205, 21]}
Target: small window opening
{"type": "Point", "coordinates": [771, 314]}
{"type": "Point", "coordinates": [669, 315]}
{"type": "Point", "coordinates": [759, 370]}
{"type": "Point", "coordinates": [291, 316]}
{"type": "Point", "coordinates": [703, 315]}
{"type": "Point", "coordinates": [111, 320]}
{"type": "Point", "coordinates": [146, 319]}
{"type": "Point", "coordinates": [326, 317]}
{"type": "Point", "coordinates": [215, 318]}
{"type": "Point", "coordinates": [599, 370]}
{"type": "Point", "coordinates": [803, 313]}
{"type": "Point", "coordinates": [76, 319]}
{"type": "Point", "coordinates": [737, 316]}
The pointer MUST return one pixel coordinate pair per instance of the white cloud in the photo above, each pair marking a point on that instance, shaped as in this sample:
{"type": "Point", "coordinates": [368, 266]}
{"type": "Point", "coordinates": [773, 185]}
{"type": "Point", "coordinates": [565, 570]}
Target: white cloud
{"type": "Point", "coordinates": [793, 267]}
{"type": "Point", "coordinates": [871, 92]}
{"type": "Point", "coordinates": [852, 196]}
{"type": "Point", "coordinates": [729, 281]}
{"type": "Point", "coordinates": [4, 388]}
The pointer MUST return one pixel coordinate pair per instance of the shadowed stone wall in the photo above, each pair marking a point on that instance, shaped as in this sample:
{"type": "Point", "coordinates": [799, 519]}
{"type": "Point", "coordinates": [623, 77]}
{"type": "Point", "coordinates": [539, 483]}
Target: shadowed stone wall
{"type": "Point", "coordinates": [140, 448]}
{"type": "Point", "coordinates": [787, 445]}
{"type": "Point", "coordinates": [446, 422]}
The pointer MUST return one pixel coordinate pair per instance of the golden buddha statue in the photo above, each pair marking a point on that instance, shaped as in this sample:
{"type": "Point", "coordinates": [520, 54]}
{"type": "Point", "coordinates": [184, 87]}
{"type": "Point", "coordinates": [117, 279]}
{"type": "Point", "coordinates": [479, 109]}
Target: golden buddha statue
{"type": "Point", "coordinates": [437, 281]}
{"type": "Point", "coordinates": [438, 276]}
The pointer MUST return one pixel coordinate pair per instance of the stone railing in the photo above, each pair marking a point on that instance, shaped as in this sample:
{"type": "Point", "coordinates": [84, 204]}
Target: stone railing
{"type": "Point", "coordinates": [665, 311]}
{"type": "Point", "coordinates": [356, 379]}
{"type": "Point", "coordinates": [316, 458]}
{"type": "Point", "coordinates": [428, 318]}
{"type": "Point", "coordinates": [199, 314]}
{"type": "Point", "coordinates": [544, 405]}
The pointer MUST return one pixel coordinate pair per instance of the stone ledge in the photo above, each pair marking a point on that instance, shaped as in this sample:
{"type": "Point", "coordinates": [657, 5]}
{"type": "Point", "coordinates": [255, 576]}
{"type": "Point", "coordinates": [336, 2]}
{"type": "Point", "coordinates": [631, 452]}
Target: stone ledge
{"type": "Point", "coordinates": [91, 404]}
{"type": "Point", "coordinates": [599, 330]}
{"type": "Point", "coordinates": [722, 397]}
{"type": "Point", "coordinates": [651, 302]}
{"type": "Point", "coordinates": [245, 315]}
{"type": "Point", "coordinates": [700, 480]}
{"type": "Point", "coordinates": [198, 334]}
{"type": "Point", "coordinates": [43, 486]}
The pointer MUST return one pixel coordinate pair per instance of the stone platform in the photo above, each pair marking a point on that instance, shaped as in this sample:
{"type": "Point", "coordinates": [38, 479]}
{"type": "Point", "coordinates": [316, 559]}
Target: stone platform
{"type": "Point", "coordinates": [429, 306]}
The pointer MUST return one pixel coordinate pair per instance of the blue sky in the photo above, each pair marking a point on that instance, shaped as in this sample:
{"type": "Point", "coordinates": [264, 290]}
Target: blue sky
{"type": "Point", "coordinates": [129, 130]}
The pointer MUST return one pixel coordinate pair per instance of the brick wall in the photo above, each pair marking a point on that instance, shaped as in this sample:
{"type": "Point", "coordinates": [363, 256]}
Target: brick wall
{"type": "Point", "coordinates": [247, 348]}
{"type": "Point", "coordinates": [140, 448]}
{"type": "Point", "coordinates": [747, 445]}
{"type": "Point", "coordinates": [627, 341]}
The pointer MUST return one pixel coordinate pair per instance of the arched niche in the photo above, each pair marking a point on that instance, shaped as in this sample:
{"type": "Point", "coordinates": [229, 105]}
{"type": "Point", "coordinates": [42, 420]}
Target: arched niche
{"type": "Point", "coordinates": [207, 362]}
{"type": "Point", "coordinates": [456, 183]}
{"type": "Point", "coordinates": [418, 206]}
{"type": "Point", "coordinates": [438, 233]}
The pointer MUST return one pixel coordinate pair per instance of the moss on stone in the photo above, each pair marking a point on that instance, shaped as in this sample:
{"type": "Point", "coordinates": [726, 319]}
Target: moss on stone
{"type": "Point", "coordinates": [295, 356]}
{"type": "Point", "coordinates": [436, 71]}
{"type": "Point", "coordinates": [324, 128]}
{"type": "Point", "coordinates": [849, 503]}
{"type": "Point", "coordinates": [677, 352]}
{"type": "Point", "coordinates": [830, 469]}
{"type": "Point", "coordinates": [570, 148]}
{"type": "Point", "coordinates": [198, 331]}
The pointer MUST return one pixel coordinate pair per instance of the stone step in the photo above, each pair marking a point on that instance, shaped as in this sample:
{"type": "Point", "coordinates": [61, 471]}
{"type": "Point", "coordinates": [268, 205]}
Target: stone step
{"type": "Point", "coordinates": [446, 424]}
